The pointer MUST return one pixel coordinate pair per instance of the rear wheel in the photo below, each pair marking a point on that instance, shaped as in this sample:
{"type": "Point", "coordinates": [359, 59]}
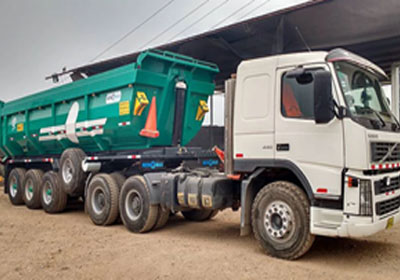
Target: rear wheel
{"type": "Point", "coordinates": [71, 173]}
{"type": "Point", "coordinates": [199, 215]}
{"type": "Point", "coordinates": [32, 184]}
{"type": "Point", "coordinates": [102, 199]}
{"type": "Point", "coordinates": [119, 178]}
{"type": "Point", "coordinates": [53, 198]}
{"type": "Point", "coordinates": [162, 219]}
{"type": "Point", "coordinates": [15, 183]}
{"type": "Point", "coordinates": [137, 214]}
{"type": "Point", "coordinates": [281, 220]}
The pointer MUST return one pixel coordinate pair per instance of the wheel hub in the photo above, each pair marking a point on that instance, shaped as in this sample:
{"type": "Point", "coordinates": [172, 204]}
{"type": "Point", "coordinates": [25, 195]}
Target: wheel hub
{"type": "Point", "coordinates": [14, 187]}
{"type": "Point", "coordinates": [29, 189]}
{"type": "Point", "coordinates": [98, 200]}
{"type": "Point", "coordinates": [68, 171]}
{"type": "Point", "coordinates": [136, 205]}
{"type": "Point", "coordinates": [133, 205]}
{"type": "Point", "coordinates": [47, 193]}
{"type": "Point", "coordinates": [278, 220]}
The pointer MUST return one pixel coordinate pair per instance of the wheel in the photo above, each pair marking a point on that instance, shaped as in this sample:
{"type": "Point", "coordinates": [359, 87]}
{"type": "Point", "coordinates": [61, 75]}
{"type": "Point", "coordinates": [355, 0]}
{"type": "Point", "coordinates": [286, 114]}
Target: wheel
{"type": "Point", "coordinates": [199, 215]}
{"type": "Point", "coordinates": [134, 205]}
{"type": "Point", "coordinates": [281, 220]}
{"type": "Point", "coordinates": [71, 173]}
{"type": "Point", "coordinates": [53, 198]}
{"type": "Point", "coordinates": [15, 183]}
{"type": "Point", "coordinates": [31, 188]}
{"type": "Point", "coordinates": [119, 178]}
{"type": "Point", "coordinates": [162, 219]}
{"type": "Point", "coordinates": [102, 199]}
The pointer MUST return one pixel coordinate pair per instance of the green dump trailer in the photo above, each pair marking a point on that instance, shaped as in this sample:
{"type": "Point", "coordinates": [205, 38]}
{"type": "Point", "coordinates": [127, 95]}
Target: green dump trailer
{"type": "Point", "coordinates": [108, 112]}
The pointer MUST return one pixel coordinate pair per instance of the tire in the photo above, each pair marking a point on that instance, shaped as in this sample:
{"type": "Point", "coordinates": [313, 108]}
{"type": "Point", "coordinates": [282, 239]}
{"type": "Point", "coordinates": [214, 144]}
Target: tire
{"type": "Point", "coordinates": [162, 219]}
{"type": "Point", "coordinates": [102, 200]}
{"type": "Point", "coordinates": [15, 183]}
{"type": "Point", "coordinates": [52, 195]}
{"type": "Point", "coordinates": [134, 205]}
{"type": "Point", "coordinates": [119, 178]}
{"type": "Point", "coordinates": [71, 174]}
{"type": "Point", "coordinates": [197, 215]}
{"type": "Point", "coordinates": [31, 188]}
{"type": "Point", "coordinates": [281, 220]}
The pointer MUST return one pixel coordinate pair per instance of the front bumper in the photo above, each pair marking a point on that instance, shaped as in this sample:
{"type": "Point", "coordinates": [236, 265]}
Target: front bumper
{"type": "Point", "coordinates": [329, 222]}
{"type": "Point", "coordinates": [364, 226]}
{"type": "Point", "coordinates": [348, 222]}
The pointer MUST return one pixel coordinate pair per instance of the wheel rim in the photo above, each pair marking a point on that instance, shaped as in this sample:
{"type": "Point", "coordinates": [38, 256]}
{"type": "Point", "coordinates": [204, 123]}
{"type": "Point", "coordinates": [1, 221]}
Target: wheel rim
{"type": "Point", "coordinates": [134, 205]}
{"type": "Point", "coordinates": [29, 189]}
{"type": "Point", "coordinates": [13, 187]}
{"type": "Point", "coordinates": [98, 200]}
{"type": "Point", "coordinates": [279, 221]}
{"type": "Point", "coordinates": [68, 171]}
{"type": "Point", "coordinates": [47, 193]}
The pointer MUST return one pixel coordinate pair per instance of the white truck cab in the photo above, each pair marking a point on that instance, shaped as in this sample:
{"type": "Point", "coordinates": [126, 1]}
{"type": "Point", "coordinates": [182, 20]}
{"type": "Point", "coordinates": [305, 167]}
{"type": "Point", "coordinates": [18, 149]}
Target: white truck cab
{"type": "Point", "coordinates": [321, 121]}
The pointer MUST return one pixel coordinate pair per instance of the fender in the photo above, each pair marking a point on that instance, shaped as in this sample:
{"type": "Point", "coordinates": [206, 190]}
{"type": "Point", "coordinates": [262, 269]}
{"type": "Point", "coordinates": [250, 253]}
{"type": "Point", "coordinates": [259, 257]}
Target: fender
{"type": "Point", "coordinates": [256, 167]}
{"type": "Point", "coordinates": [153, 181]}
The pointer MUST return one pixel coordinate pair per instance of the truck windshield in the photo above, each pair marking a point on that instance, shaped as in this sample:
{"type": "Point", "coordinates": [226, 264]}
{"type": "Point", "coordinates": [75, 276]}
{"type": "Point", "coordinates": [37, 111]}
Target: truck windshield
{"type": "Point", "coordinates": [364, 97]}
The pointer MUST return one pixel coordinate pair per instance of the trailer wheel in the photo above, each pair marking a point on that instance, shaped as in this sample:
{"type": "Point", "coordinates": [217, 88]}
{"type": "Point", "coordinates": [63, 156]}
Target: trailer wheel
{"type": "Point", "coordinates": [15, 183]}
{"type": "Point", "coordinates": [137, 214]}
{"type": "Point", "coordinates": [31, 188]}
{"type": "Point", "coordinates": [119, 178]}
{"type": "Point", "coordinates": [53, 198]}
{"type": "Point", "coordinates": [199, 215]}
{"type": "Point", "coordinates": [281, 220]}
{"type": "Point", "coordinates": [102, 199]}
{"type": "Point", "coordinates": [72, 176]}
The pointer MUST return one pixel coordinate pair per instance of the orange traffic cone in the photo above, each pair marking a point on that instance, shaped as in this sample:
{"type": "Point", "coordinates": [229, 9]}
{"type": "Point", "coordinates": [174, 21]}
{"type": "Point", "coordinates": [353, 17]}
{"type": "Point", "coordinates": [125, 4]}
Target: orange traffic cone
{"type": "Point", "coordinates": [150, 129]}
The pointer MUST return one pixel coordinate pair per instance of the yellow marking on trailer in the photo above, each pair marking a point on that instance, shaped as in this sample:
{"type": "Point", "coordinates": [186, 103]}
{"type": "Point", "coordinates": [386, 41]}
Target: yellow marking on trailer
{"type": "Point", "coordinates": [202, 110]}
{"type": "Point", "coordinates": [124, 108]}
{"type": "Point", "coordinates": [141, 102]}
{"type": "Point", "coordinates": [20, 127]}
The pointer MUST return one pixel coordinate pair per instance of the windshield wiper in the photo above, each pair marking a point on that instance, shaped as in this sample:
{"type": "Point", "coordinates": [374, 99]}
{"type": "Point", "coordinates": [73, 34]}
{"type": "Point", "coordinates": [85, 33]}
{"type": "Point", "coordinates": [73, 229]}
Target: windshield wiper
{"type": "Point", "coordinates": [377, 115]}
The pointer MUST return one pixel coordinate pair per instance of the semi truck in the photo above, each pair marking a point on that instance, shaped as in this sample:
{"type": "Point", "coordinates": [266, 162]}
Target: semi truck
{"type": "Point", "coordinates": [311, 147]}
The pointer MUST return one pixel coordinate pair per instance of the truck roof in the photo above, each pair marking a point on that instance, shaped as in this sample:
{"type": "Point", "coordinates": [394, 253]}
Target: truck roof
{"type": "Point", "coordinates": [293, 59]}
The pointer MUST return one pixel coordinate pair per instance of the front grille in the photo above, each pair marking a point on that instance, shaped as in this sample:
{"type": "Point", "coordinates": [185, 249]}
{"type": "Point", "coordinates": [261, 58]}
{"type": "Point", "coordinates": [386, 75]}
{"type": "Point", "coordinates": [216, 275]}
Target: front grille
{"type": "Point", "coordinates": [382, 186]}
{"type": "Point", "coordinates": [387, 206]}
{"type": "Point", "coordinates": [380, 149]}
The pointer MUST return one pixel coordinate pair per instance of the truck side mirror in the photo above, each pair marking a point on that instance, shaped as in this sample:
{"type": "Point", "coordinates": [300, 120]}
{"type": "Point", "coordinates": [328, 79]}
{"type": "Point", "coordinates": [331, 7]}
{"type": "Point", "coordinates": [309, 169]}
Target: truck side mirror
{"type": "Point", "coordinates": [323, 99]}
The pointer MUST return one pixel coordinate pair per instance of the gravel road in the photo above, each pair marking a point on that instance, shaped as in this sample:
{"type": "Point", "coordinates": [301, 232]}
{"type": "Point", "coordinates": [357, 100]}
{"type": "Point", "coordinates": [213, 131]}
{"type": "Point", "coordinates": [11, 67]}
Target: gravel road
{"type": "Point", "coordinates": [35, 245]}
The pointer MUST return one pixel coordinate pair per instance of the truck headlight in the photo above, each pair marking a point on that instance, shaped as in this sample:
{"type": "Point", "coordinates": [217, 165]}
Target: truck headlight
{"type": "Point", "coordinates": [365, 198]}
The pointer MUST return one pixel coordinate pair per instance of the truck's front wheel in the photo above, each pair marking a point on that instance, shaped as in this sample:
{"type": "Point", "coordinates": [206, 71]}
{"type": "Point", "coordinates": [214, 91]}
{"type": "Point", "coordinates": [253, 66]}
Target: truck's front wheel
{"type": "Point", "coordinates": [281, 220]}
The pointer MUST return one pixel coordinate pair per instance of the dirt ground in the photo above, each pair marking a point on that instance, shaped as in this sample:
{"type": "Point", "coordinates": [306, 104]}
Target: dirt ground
{"type": "Point", "coordinates": [35, 245]}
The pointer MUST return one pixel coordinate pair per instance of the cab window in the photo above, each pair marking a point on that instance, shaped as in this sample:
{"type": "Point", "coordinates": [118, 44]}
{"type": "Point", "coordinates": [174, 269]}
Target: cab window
{"type": "Point", "coordinates": [297, 98]}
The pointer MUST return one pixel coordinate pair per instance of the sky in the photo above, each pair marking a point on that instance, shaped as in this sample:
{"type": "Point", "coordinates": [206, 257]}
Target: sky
{"type": "Point", "coordinates": [41, 37]}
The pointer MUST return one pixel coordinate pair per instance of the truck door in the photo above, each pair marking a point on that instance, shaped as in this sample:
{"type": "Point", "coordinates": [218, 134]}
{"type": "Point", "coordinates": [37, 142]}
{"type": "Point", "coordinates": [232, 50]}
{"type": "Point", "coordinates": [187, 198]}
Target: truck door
{"type": "Point", "coordinates": [317, 149]}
